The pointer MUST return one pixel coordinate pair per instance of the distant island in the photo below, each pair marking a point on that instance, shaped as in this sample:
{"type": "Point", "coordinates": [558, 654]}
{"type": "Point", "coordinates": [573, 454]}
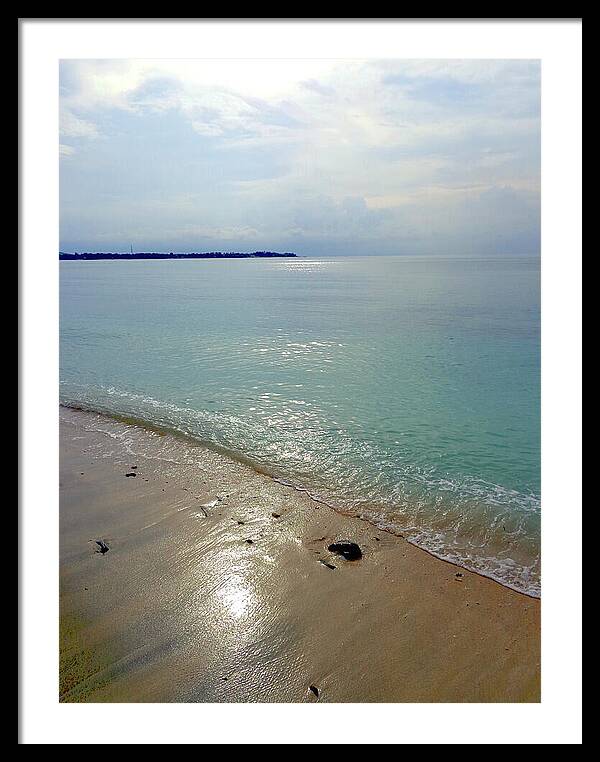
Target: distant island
{"type": "Point", "coordinates": [162, 255]}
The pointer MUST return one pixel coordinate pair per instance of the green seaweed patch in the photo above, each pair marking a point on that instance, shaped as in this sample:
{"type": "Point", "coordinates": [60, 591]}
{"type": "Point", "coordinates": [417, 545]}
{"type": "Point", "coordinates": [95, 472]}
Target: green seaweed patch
{"type": "Point", "coordinates": [83, 669]}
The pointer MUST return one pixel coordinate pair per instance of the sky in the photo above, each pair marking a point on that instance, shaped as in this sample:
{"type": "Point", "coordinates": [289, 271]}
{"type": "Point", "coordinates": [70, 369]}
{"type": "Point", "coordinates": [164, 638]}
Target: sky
{"type": "Point", "coordinates": [318, 157]}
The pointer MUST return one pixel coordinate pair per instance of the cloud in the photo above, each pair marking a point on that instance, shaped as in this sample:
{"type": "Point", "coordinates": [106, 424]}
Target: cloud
{"type": "Point", "coordinates": [395, 156]}
{"type": "Point", "coordinates": [72, 126]}
{"type": "Point", "coordinates": [318, 87]}
{"type": "Point", "coordinates": [156, 93]}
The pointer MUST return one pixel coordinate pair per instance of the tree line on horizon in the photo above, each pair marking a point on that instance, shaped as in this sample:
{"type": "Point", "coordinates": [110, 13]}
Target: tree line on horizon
{"type": "Point", "coordinates": [86, 255]}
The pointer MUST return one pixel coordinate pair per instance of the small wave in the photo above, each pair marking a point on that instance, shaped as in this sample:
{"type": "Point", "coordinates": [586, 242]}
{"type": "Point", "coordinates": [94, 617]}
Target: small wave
{"type": "Point", "coordinates": [506, 572]}
{"type": "Point", "coordinates": [485, 528]}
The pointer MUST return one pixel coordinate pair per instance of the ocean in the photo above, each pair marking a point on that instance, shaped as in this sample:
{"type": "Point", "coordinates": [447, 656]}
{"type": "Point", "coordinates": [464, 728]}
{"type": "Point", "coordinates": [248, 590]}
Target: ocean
{"type": "Point", "coordinates": [403, 389]}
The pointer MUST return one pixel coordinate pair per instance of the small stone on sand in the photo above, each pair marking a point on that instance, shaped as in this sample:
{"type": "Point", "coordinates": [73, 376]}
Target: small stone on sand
{"type": "Point", "coordinates": [349, 550]}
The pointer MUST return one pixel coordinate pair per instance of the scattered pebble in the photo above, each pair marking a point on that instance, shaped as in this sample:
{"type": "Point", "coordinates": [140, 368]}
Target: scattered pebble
{"type": "Point", "coordinates": [327, 564]}
{"type": "Point", "coordinates": [314, 689]}
{"type": "Point", "coordinates": [131, 473]}
{"type": "Point", "coordinates": [103, 547]}
{"type": "Point", "coordinates": [133, 467]}
{"type": "Point", "coordinates": [250, 542]}
{"type": "Point", "coordinates": [275, 515]}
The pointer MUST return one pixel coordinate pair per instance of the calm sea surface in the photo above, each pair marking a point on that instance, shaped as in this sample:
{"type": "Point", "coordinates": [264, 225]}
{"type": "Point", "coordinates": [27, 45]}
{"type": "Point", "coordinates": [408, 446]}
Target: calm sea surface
{"type": "Point", "coordinates": [404, 389]}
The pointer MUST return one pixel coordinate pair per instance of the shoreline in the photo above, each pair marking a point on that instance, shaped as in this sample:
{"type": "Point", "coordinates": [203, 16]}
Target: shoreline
{"type": "Point", "coordinates": [131, 420]}
{"type": "Point", "coordinates": [184, 608]}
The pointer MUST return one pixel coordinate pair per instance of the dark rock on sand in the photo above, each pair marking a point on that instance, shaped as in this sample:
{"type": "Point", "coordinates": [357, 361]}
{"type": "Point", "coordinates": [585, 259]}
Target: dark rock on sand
{"type": "Point", "coordinates": [349, 550]}
{"type": "Point", "coordinates": [133, 467]}
{"type": "Point", "coordinates": [314, 689]}
{"type": "Point", "coordinates": [250, 542]}
{"type": "Point", "coordinates": [103, 547]}
{"type": "Point", "coordinates": [131, 474]}
{"type": "Point", "coordinates": [275, 515]}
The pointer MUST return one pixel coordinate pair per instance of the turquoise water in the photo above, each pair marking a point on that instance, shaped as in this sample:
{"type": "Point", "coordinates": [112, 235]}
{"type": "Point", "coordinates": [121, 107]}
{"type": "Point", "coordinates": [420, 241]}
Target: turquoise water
{"type": "Point", "coordinates": [405, 389]}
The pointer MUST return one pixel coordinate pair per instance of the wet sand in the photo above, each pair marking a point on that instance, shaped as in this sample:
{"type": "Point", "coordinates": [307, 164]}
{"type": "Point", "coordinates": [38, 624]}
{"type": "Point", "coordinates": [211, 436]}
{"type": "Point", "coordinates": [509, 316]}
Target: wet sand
{"type": "Point", "coordinates": [214, 589]}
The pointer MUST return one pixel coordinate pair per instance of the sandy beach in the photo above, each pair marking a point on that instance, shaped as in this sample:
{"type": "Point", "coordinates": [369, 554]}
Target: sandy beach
{"type": "Point", "coordinates": [218, 586]}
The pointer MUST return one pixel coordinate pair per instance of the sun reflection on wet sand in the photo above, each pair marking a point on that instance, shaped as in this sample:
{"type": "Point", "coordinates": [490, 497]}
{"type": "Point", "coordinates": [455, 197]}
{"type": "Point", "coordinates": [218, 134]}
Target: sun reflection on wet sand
{"type": "Point", "coordinates": [237, 596]}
